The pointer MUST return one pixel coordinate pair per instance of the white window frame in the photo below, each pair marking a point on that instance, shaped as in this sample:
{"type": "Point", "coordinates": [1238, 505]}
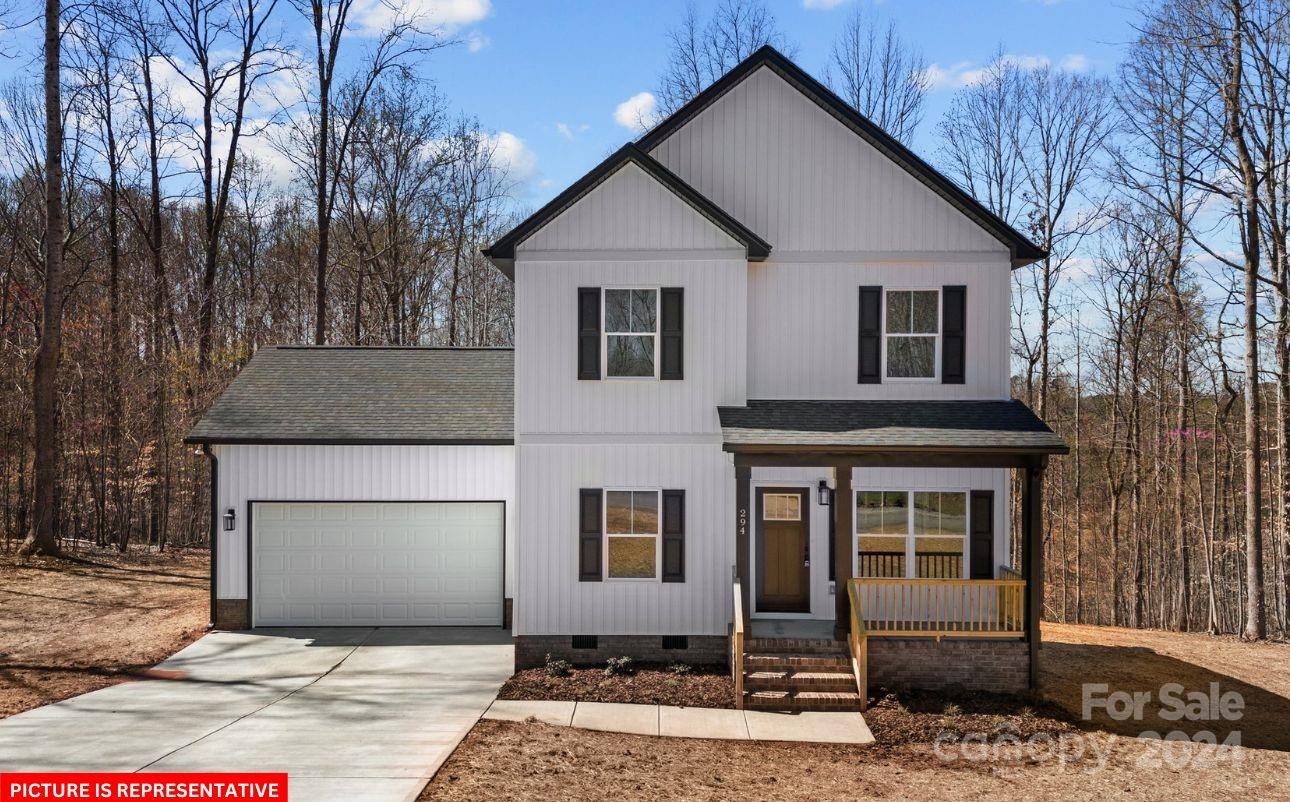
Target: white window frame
{"type": "Point", "coordinates": [605, 334]}
{"type": "Point", "coordinates": [936, 338]}
{"type": "Point", "coordinates": [911, 563]}
{"type": "Point", "coordinates": [658, 533]}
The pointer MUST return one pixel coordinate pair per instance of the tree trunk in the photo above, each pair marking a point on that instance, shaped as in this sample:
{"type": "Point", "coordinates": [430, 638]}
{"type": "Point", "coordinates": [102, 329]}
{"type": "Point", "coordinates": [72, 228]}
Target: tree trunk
{"type": "Point", "coordinates": [42, 538]}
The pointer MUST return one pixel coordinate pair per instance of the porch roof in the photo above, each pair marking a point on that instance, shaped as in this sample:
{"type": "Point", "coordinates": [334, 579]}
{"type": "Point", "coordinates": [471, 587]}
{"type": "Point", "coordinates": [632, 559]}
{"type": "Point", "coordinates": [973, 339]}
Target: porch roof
{"type": "Point", "coordinates": [840, 427]}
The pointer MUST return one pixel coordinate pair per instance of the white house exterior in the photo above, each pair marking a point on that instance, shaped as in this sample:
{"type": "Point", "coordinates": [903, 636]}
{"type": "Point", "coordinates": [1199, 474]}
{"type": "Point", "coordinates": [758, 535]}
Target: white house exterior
{"type": "Point", "coordinates": [764, 343]}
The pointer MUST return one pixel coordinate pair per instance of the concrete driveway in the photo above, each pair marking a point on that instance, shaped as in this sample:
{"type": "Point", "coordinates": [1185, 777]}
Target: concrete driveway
{"type": "Point", "coordinates": [349, 714]}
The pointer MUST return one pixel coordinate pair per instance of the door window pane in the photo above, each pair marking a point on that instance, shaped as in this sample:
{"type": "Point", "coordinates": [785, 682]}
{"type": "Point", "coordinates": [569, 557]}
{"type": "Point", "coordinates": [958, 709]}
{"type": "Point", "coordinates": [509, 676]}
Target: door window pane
{"type": "Point", "coordinates": [781, 507]}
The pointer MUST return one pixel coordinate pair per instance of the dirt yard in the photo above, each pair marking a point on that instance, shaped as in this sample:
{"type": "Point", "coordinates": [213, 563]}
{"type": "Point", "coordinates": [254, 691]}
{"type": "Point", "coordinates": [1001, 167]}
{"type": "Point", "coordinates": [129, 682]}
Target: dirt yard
{"type": "Point", "coordinates": [1069, 759]}
{"type": "Point", "coordinates": [70, 626]}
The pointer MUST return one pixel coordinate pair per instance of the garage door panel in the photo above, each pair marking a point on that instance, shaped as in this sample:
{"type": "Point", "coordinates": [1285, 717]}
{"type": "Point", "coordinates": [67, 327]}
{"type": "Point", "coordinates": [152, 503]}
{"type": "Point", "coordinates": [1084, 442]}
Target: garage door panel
{"type": "Point", "coordinates": [374, 563]}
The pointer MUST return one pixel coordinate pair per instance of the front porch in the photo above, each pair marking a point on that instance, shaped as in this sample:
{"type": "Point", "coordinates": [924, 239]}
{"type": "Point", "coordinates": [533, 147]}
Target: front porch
{"type": "Point", "coordinates": [932, 574]}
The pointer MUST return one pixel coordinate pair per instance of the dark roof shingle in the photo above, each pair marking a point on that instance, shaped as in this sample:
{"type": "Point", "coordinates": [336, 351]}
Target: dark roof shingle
{"type": "Point", "coordinates": [337, 394]}
{"type": "Point", "coordinates": [895, 425]}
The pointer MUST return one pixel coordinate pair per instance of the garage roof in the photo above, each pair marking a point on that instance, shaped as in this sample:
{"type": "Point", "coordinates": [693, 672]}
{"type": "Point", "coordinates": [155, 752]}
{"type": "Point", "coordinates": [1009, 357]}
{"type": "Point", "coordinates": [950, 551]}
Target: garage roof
{"type": "Point", "coordinates": [366, 395]}
{"type": "Point", "coordinates": [888, 425]}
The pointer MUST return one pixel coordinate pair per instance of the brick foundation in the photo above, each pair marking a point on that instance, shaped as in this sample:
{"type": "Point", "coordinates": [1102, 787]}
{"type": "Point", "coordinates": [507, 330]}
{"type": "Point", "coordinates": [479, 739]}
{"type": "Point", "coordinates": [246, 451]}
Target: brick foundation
{"type": "Point", "coordinates": [1001, 666]}
{"type": "Point", "coordinates": [531, 650]}
{"type": "Point", "coordinates": [232, 614]}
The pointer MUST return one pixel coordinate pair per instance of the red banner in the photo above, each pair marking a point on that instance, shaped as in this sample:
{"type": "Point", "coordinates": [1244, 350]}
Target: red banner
{"type": "Point", "coordinates": [160, 787]}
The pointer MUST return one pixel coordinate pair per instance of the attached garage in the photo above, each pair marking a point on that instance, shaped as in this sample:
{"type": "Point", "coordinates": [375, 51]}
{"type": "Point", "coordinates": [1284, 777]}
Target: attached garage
{"type": "Point", "coordinates": [376, 563]}
{"type": "Point", "coordinates": [363, 487]}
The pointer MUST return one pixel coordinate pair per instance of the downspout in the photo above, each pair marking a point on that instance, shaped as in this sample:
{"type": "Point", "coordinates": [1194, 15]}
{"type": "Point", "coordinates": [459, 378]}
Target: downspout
{"type": "Point", "coordinates": [214, 547]}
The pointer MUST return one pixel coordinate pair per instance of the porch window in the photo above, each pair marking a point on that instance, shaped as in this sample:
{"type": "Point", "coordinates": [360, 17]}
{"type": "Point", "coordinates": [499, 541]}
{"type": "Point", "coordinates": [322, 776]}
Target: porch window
{"type": "Point", "coordinates": [631, 534]}
{"type": "Point", "coordinates": [631, 333]}
{"type": "Point", "coordinates": [912, 333]}
{"type": "Point", "coordinates": [908, 534]}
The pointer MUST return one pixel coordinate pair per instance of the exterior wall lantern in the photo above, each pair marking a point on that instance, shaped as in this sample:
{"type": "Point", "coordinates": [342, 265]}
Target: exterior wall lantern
{"type": "Point", "coordinates": [825, 493]}
{"type": "Point", "coordinates": [230, 519]}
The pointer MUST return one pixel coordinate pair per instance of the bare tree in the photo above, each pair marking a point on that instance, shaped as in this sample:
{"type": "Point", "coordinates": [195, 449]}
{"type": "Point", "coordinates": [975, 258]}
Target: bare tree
{"type": "Point", "coordinates": [701, 52]}
{"type": "Point", "coordinates": [320, 139]}
{"type": "Point", "coordinates": [880, 74]}
{"type": "Point", "coordinates": [207, 32]}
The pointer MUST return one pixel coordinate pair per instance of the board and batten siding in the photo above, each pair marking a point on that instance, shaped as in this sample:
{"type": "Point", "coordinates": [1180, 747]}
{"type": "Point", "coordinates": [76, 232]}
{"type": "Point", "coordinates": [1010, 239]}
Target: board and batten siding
{"type": "Point", "coordinates": [805, 182]}
{"type": "Point", "coordinates": [803, 319]}
{"type": "Point", "coordinates": [630, 211]}
{"type": "Point", "coordinates": [552, 601]}
{"type": "Point", "coordinates": [549, 398]}
{"type": "Point", "coordinates": [356, 473]}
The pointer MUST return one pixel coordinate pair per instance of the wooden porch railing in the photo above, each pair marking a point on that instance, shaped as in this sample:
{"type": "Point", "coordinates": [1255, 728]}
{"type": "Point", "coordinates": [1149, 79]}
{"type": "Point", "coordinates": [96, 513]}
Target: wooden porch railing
{"type": "Point", "coordinates": [858, 640]}
{"type": "Point", "coordinates": [737, 646]}
{"type": "Point", "coordinates": [1006, 572]}
{"type": "Point", "coordinates": [990, 608]}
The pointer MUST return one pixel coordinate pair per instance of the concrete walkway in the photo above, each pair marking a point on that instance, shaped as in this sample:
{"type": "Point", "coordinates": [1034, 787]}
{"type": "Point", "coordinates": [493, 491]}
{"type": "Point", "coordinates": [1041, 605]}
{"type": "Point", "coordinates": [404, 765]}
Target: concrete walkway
{"type": "Point", "coordinates": [690, 722]}
{"type": "Point", "coordinates": [349, 714]}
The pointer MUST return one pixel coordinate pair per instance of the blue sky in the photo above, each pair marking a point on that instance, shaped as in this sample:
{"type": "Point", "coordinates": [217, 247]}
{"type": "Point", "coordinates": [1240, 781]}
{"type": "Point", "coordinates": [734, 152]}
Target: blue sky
{"type": "Point", "coordinates": [542, 65]}
{"type": "Point", "coordinates": [548, 77]}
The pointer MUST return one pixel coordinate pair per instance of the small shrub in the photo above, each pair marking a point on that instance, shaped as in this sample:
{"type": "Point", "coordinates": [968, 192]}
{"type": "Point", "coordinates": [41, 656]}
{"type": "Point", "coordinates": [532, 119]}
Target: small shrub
{"type": "Point", "coordinates": [557, 668]}
{"type": "Point", "coordinates": [953, 709]}
{"type": "Point", "coordinates": [618, 666]}
{"type": "Point", "coordinates": [680, 669]}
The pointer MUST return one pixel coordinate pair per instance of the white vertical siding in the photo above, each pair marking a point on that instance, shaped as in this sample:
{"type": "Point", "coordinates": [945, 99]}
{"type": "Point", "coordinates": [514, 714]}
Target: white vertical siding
{"type": "Point", "coordinates": [801, 179]}
{"type": "Point", "coordinates": [630, 211]}
{"type": "Point", "coordinates": [356, 473]}
{"type": "Point", "coordinates": [551, 600]}
{"type": "Point", "coordinates": [803, 328]}
{"type": "Point", "coordinates": [550, 399]}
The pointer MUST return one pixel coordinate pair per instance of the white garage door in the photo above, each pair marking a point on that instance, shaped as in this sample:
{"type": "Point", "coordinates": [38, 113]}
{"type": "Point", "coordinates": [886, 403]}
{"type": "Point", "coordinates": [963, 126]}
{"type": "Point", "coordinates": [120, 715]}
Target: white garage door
{"type": "Point", "coordinates": [376, 563]}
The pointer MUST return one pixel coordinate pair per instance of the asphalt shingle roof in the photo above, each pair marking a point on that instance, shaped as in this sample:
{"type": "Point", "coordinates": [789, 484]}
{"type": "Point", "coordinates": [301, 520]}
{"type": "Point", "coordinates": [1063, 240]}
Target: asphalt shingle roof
{"type": "Point", "coordinates": [1003, 425]}
{"type": "Point", "coordinates": [342, 394]}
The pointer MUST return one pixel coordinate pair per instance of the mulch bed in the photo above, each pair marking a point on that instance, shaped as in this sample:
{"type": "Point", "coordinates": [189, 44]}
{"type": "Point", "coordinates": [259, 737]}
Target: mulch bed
{"type": "Point", "coordinates": [901, 716]}
{"type": "Point", "coordinates": [650, 683]}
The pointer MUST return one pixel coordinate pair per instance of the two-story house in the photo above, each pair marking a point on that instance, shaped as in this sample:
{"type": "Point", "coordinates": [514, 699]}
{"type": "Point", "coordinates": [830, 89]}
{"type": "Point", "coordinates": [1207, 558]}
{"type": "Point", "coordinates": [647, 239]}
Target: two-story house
{"type": "Point", "coordinates": [760, 412]}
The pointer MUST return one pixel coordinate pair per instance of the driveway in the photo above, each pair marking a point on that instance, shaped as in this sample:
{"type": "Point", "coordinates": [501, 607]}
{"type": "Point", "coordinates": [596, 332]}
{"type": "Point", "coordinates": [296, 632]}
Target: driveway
{"type": "Point", "coordinates": [349, 714]}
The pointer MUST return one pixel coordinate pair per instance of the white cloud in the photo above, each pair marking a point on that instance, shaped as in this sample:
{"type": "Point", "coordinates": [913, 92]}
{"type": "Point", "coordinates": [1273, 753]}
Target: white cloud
{"type": "Point", "coordinates": [571, 131]}
{"type": "Point", "coordinates": [939, 77]}
{"type": "Point", "coordinates": [1075, 62]}
{"type": "Point", "coordinates": [476, 41]}
{"type": "Point", "coordinates": [638, 112]}
{"type": "Point", "coordinates": [443, 16]}
{"type": "Point", "coordinates": [511, 152]}
{"type": "Point", "coordinates": [822, 5]}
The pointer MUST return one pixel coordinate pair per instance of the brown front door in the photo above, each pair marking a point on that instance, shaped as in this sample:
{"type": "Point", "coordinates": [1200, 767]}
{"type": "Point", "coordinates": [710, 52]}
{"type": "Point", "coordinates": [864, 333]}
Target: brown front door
{"type": "Point", "coordinates": [783, 550]}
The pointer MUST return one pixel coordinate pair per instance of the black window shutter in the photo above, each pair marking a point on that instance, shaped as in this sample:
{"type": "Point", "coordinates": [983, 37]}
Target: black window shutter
{"type": "Point", "coordinates": [671, 333]}
{"type": "Point", "coordinates": [590, 536]}
{"type": "Point", "coordinates": [981, 538]}
{"type": "Point", "coordinates": [954, 335]}
{"type": "Point", "coordinates": [870, 370]}
{"type": "Point", "coordinates": [673, 535]}
{"type": "Point", "coordinates": [588, 332]}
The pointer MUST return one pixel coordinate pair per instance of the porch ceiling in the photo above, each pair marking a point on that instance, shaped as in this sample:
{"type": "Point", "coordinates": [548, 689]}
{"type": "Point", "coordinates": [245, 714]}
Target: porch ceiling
{"type": "Point", "coordinates": [896, 430]}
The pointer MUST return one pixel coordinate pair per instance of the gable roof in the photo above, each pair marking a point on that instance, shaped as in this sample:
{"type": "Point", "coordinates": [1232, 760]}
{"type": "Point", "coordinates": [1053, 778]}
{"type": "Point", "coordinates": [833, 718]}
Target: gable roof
{"type": "Point", "coordinates": [502, 252]}
{"type": "Point", "coordinates": [1000, 426]}
{"type": "Point", "coordinates": [366, 395]}
{"type": "Point", "coordinates": [1023, 250]}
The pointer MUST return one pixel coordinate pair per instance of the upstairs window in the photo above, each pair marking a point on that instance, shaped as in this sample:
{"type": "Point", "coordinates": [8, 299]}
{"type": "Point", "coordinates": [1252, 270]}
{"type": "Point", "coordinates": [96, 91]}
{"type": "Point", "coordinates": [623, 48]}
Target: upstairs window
{"type": "Point", "coordinates": [912, 333]}
{"type": "Point", "coordinates": [631, 333]}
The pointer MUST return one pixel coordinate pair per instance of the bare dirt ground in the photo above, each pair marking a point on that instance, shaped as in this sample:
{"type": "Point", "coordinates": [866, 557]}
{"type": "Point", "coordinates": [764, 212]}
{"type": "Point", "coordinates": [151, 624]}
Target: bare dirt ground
{"type": "Point", "coordinates": [73, 625]}
{"type": "Point", "coordinates": [1070, 759]}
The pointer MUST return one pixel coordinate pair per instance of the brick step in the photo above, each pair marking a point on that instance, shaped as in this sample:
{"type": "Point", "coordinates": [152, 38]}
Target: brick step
{"type": "Point", "coordinates": [795, 646]}
{"type": "Point", "coordinates": [783, 661]}
{"type": "Point", "coordinates": [809, 680]}
{"type": "Point", "coordinates": [803, 701]}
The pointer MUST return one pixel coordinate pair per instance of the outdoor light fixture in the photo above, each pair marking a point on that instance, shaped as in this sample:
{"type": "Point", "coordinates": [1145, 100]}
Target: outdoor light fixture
{"type": "Point", "coordinates": [230, 518]}
{"type": "Point", "coordinates": [826, 495]}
